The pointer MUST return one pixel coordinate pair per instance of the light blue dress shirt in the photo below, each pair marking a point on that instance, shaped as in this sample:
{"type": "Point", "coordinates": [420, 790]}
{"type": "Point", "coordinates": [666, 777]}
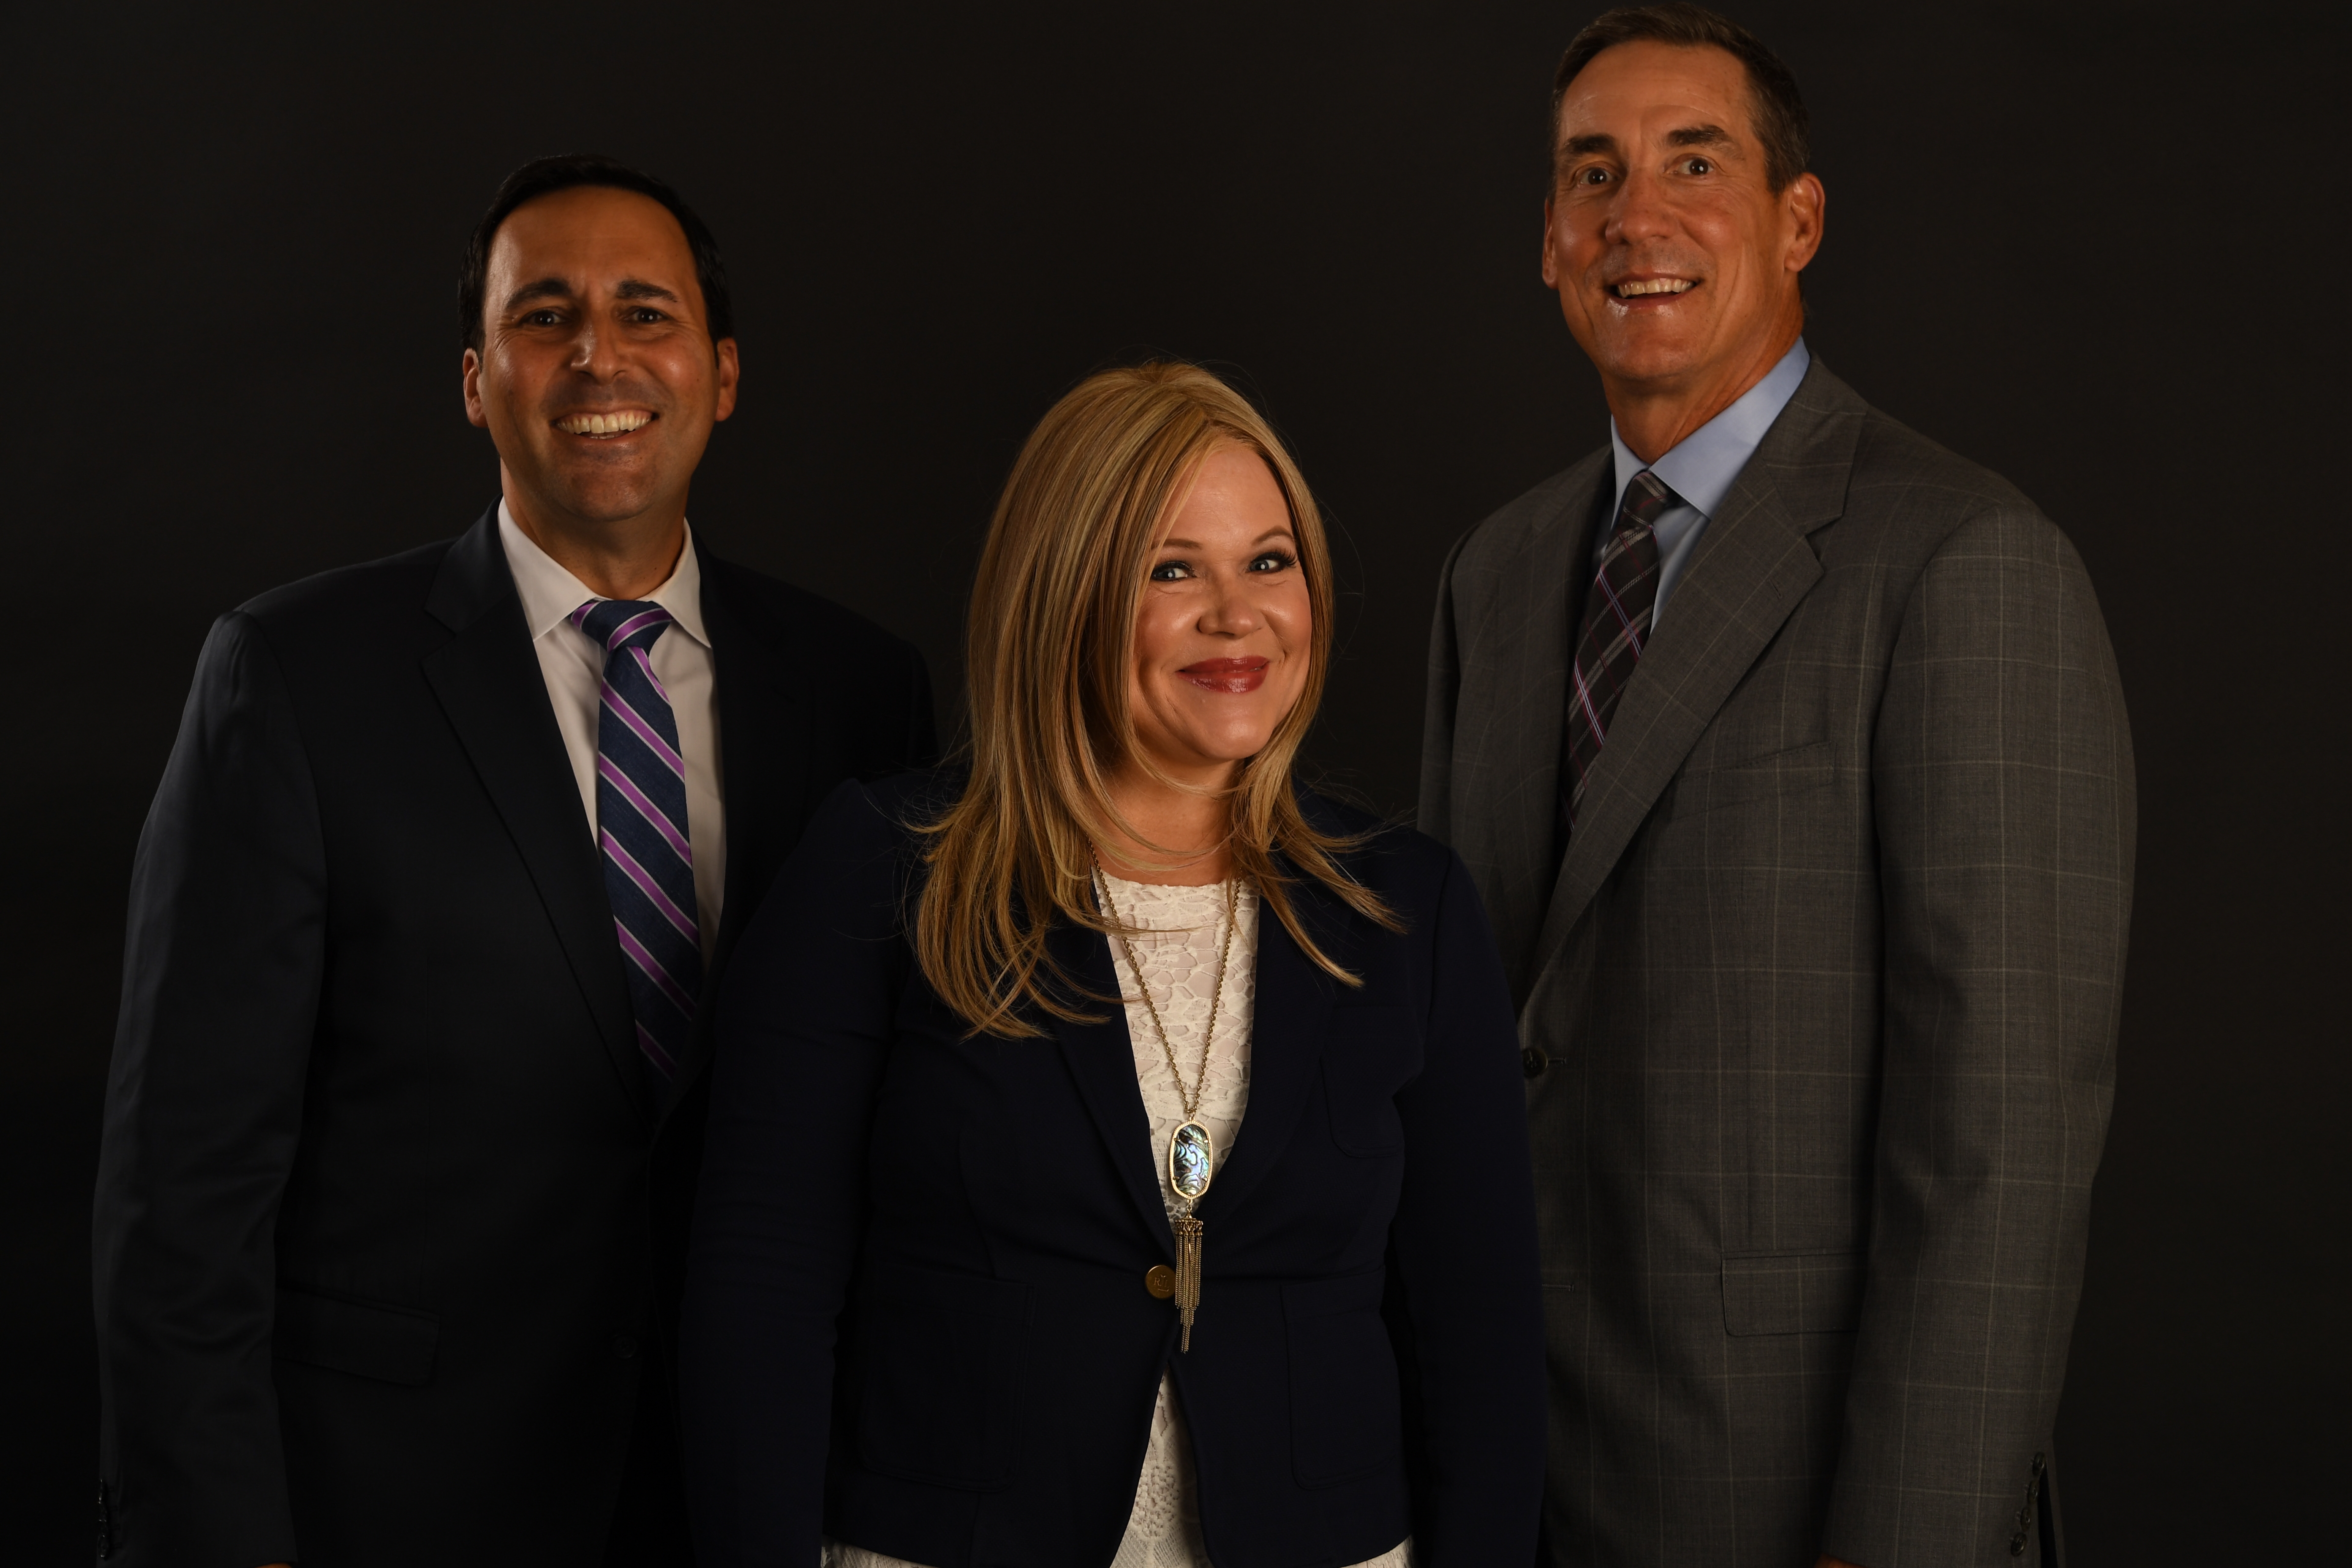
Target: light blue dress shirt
{"type": "Point", "coordinates": [1702, 468]}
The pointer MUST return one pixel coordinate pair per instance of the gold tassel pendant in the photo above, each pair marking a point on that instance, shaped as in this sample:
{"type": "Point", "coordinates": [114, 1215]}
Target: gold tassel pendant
{"type": "Point", "coordinates": [1188, 1276]}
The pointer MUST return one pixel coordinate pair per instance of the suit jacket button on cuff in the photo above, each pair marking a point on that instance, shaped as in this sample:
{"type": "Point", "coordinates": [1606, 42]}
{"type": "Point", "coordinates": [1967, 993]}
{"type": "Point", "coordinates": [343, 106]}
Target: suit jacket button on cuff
{"type": "Point", "coordinates": [625, 1345]}
{"type": "Point", "coordinates": [1160, 1280]}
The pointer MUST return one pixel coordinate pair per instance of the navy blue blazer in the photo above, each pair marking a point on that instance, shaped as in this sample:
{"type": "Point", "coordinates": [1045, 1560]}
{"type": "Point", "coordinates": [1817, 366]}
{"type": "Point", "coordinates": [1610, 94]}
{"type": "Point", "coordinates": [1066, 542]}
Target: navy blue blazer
{"type": "Point", "coordinates": [915, 1315]}
{"type": "Point", "coordinates": [385, 1215]}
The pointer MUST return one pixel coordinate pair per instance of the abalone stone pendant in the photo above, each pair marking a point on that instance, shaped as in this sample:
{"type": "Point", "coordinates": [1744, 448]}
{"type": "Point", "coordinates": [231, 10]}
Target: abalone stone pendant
{"type": "Point", "coordinates": [1191, 1161]}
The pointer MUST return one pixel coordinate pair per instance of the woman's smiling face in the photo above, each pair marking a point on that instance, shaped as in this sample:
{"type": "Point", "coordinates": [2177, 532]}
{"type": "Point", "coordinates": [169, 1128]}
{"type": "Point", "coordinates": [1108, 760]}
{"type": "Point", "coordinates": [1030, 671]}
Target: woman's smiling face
{"type": "Point", "coordinates": [1224, 629]}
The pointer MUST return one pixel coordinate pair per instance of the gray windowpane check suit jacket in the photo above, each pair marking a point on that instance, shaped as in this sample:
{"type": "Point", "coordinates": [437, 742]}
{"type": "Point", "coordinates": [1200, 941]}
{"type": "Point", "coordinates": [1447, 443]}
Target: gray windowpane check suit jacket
{"type": "Point", "coordinates": [1819, 1004]}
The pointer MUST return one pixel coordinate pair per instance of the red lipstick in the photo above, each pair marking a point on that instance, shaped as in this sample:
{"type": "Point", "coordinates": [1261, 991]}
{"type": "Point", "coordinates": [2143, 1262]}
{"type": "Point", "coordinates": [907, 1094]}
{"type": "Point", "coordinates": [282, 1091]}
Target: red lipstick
{"type": "Point", "coordinates": [1234, 677]}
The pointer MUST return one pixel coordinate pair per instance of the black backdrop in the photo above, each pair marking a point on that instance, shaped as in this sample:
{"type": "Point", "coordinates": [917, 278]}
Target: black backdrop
{"type": "Point", "coordinates": [2097, 247]}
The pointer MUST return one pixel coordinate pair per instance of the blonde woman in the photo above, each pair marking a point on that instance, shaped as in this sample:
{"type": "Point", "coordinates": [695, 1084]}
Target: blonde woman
{"type": "Point", "coordinates": [1116, 1151]}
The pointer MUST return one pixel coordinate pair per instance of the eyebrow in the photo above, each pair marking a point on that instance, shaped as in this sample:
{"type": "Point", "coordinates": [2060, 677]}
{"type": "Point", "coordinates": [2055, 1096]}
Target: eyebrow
{"type": "Point", "coordinates": [558, 288]}
{"type": "Point", "coordinates": [1194, 544]}
{"type": "Point", "coordinates": [542, 289]}
{"type": "Point", "coordinates": [1686, 136]}
{"type": "Point", "coordinates": [1699, 136]}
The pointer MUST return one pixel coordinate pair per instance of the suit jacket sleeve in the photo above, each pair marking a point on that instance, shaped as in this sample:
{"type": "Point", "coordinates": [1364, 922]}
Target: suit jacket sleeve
{"type": "Point", "coordinates": [1436, 809]}
{"type": "Point", "coordinates": [221, 984]}
{"type": "Point", "coordinates": [805, 1026]}
{"type": "Point", "coordinates": [1463, 1248]}
{"type": "Point", "coordinates": [2002, 779]}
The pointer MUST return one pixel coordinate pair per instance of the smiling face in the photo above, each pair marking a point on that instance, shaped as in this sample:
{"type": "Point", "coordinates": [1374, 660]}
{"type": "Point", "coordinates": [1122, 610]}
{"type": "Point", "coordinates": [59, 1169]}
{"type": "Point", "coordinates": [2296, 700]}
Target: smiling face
{"type": "Point", "coordinates": [1224, 629]}
{"type": "Point", "coordinates": [597, 377]}
{"type": "Point", "coordinates": [1675, 260]}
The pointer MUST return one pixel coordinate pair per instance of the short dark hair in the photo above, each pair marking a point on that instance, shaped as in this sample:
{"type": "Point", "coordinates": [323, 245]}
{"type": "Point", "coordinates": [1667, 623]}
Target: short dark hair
{"type": "Point", "coordinates": [544, 177]}
{"type": "Point", "coordinates": [1779, 109]}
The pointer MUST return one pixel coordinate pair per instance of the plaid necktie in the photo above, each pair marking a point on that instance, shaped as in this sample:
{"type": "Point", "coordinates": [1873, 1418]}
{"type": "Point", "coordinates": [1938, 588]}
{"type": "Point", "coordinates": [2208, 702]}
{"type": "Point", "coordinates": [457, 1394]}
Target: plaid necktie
{"type": "Point", "coordinates": [641, 828]}
{"type": "Point", "coordinates": [1617, 613]}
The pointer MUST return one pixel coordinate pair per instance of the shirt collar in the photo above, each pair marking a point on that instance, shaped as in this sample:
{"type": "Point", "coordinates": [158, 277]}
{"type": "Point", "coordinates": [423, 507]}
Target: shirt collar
{"type": "Point", "coordinates": [1704, 465]}
{"type": "Point", "coordinates": [549, 593]}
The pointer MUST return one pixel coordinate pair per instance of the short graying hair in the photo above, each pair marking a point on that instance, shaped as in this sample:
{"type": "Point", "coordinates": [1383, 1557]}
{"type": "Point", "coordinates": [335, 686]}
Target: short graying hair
{"type": "Point", "coordinates": [1777, 107]}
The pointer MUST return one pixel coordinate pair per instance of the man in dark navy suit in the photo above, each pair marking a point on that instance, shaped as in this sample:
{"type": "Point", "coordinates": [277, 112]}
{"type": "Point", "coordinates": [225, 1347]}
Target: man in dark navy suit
{"type": "Point", "coordinates": [405, 1103]}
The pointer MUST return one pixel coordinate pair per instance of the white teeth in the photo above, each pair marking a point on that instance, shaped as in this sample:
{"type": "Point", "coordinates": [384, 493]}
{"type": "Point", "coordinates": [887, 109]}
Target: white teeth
{"type": "Point", "coordinates": [604, 424]}
{"type": "Point", "coordinates": [1631, 287]}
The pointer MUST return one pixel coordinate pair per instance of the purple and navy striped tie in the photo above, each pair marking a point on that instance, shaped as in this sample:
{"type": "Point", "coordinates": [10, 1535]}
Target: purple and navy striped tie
{"type": "Point", "coordinates": [641, 828]}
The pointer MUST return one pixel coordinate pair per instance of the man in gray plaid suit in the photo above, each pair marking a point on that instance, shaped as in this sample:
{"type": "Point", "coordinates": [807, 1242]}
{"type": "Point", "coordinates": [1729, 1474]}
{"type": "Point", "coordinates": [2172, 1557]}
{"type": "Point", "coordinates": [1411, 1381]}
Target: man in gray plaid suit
{"type": "Point", "coordinates": [1788, 752]}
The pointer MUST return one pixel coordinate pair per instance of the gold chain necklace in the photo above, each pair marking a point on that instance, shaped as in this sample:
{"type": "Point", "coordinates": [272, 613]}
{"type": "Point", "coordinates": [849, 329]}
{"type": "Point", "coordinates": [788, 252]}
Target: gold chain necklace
{"type": "Point", "coordinates": [1192, 1153]}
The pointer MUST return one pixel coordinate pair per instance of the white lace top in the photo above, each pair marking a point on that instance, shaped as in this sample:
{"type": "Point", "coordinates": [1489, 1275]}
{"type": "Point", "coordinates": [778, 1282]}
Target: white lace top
{"type": "Point", "coordinates": [1185, 930]}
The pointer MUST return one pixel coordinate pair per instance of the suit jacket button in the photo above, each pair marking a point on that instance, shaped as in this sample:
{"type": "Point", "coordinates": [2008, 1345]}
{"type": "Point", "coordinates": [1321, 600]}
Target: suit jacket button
{"type": "Point", "coordinates": [625, 1345]}
{"type": "Point", "coordinates": [1534, 1061]}
{"type": "Point", "coordinates": [1160, 1280]}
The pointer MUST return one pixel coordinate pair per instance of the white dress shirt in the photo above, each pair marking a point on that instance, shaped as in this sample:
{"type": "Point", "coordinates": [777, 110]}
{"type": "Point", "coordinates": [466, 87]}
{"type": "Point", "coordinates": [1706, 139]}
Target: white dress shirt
{"type": "Point", "coordinates": [573, 665]}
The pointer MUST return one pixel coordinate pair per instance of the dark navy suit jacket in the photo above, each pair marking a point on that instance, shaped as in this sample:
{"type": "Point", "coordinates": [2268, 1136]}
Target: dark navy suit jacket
{"type": "Point", "coordinates": [916, 1317]}
{"type": "Point", "coordinates": [383, 1218]}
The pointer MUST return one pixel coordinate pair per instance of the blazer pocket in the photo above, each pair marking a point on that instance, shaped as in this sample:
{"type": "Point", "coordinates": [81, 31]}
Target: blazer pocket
{"type": "Point", "coordinates": [1794, 1293]}
{"type": "Point", "coordinates": [1796, 771]}
{"type": "Point", "coordinates": [1368, 1053]}
{"type": "Point", "coordinates": [938, 1361]}
{"type": "Point", "coordinates": [1346, 1419]}
{"type": "Point", "coordinates": [344, 1333]}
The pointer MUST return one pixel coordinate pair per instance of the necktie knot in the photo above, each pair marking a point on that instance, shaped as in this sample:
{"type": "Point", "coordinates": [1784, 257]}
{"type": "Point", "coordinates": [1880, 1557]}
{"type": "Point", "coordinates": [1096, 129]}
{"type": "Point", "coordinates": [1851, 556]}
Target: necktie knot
{"type": "Point", "coordinates": [1646, 499]}
{"type": "Point", "coordinates": [616, 623]}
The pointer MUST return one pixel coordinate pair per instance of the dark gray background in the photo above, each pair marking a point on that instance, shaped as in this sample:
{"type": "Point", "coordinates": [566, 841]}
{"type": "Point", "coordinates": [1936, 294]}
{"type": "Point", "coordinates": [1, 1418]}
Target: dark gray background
{"type": "Point", "coordinates": [2098, 247]}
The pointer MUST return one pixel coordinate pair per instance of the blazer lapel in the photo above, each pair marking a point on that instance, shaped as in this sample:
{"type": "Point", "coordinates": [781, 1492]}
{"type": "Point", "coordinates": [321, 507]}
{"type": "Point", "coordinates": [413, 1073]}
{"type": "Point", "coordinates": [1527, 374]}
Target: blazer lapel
{"type": "Point", "coordinates": [1750, 570]}
{"type": "Point", "coordinates": [1513, 665]}
{"type": "Point", "coordinates": [764, 764]}
{"type": "Point", "coordinates": [488, 682]}
{"type": "Point", "coordinates": [1101, 1057]}
{"type": "Point", "coordinates": [1294, 1007]}
{"type": "Point", "coordinates": [1294, 1004]}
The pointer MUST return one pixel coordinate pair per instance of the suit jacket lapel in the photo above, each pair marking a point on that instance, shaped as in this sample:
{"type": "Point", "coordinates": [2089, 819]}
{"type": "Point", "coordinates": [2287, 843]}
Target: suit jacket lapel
{"type": "Point", "coordinates": [1514, 672]}
{"type": "Point", "coordinates": [763, 756]}
{"type": "Point", "coordinates": [1101, 1057]}
{"type": "Point", "coordinates": [488, 682]}
{"type": "Point", "coordinates": [1294, 1006]}
{"type": "Point", "coordinates": [1751, 568]}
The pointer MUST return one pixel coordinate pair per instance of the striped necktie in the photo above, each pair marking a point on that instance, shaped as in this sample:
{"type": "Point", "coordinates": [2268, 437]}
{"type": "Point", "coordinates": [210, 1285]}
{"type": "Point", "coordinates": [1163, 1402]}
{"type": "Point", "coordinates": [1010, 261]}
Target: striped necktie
{"type": "Point", "coordinates": [641, 829]}
{"type": "Point", "coordinates": [1617, 612]}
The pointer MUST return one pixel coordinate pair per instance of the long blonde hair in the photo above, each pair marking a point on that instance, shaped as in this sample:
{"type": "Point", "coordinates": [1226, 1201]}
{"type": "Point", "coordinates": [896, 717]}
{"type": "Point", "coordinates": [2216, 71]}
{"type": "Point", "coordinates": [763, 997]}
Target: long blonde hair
{"type": "Point", "coordinates": [1048, 647]}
